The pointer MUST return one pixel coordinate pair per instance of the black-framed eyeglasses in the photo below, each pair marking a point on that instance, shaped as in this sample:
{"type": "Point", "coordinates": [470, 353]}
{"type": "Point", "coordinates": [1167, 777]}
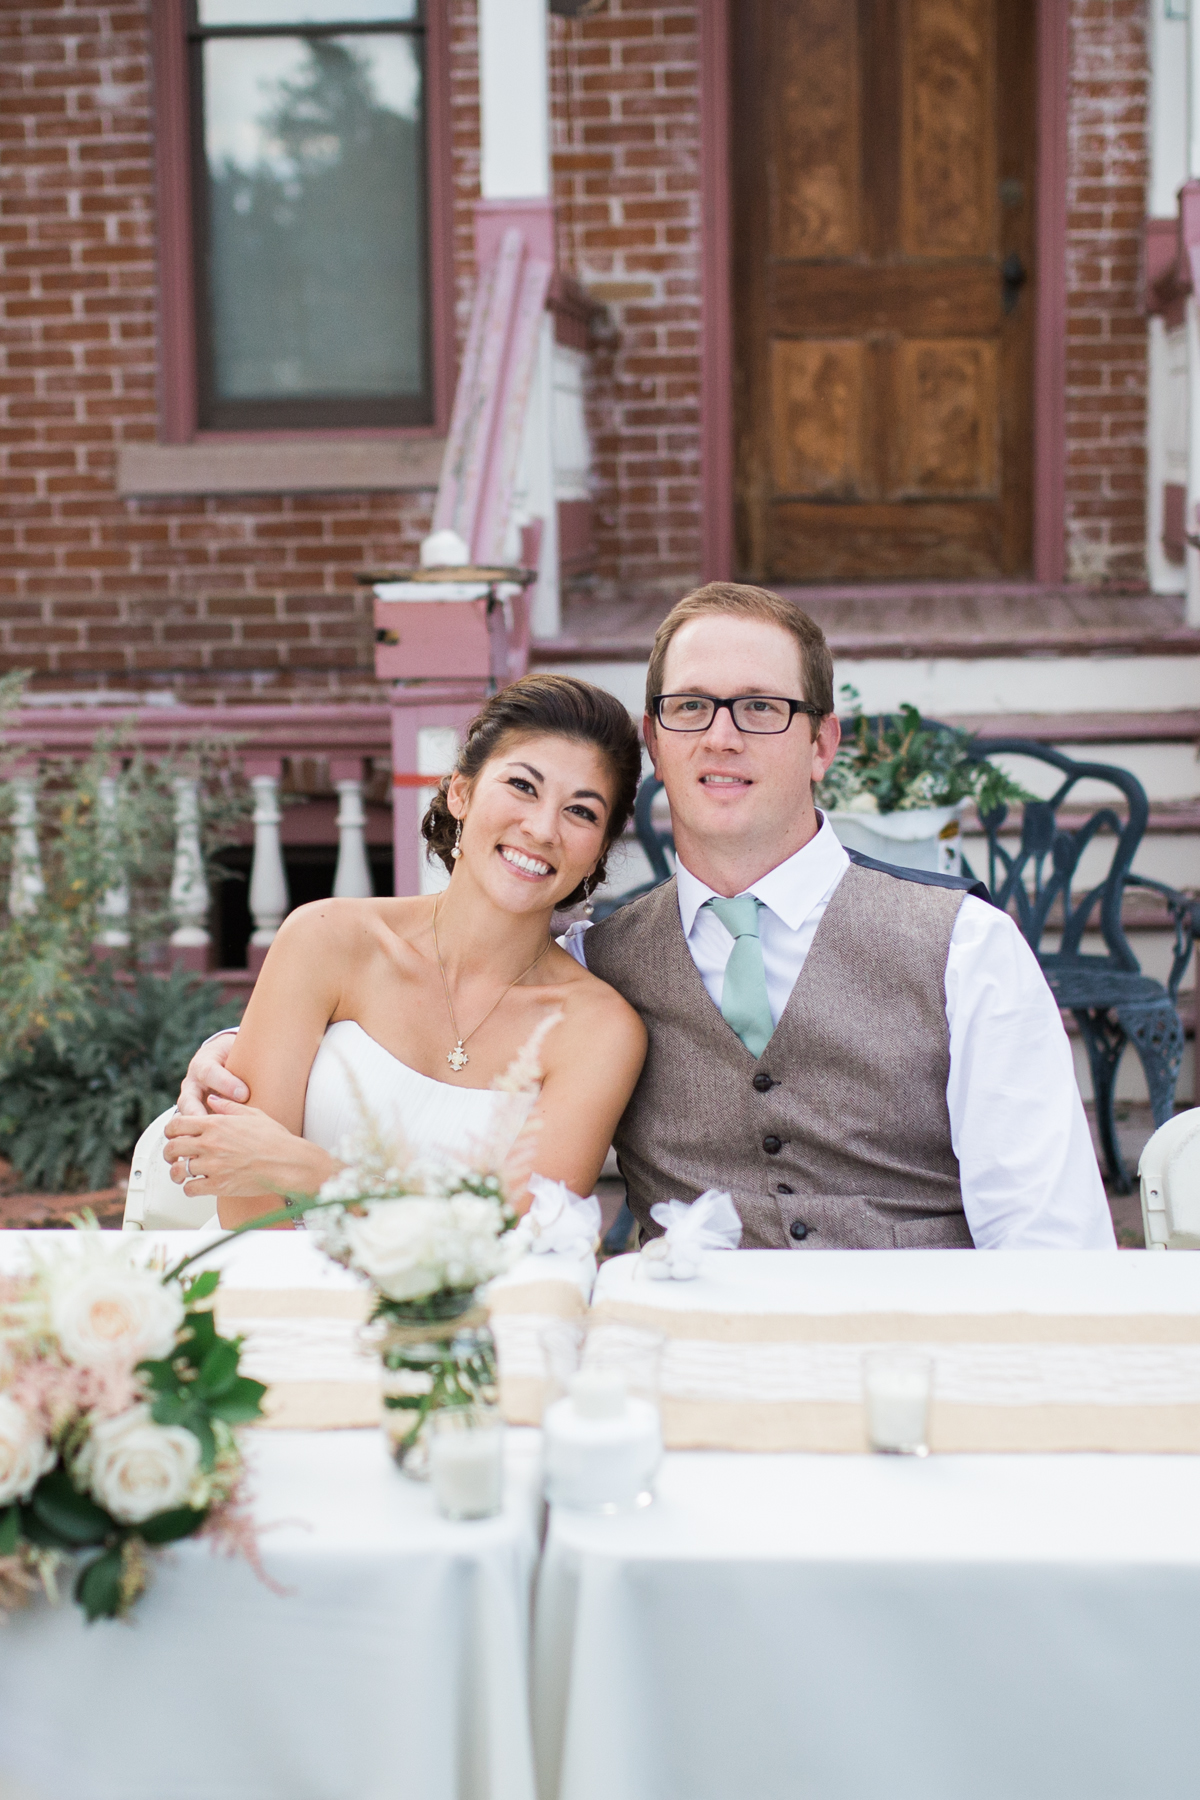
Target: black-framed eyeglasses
{"type": "Point", "coordinates": [765, 714]}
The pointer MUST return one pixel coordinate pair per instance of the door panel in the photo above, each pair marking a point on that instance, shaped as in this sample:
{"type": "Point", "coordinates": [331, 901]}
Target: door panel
{"type": "Point", "coordinates": [884, 169]}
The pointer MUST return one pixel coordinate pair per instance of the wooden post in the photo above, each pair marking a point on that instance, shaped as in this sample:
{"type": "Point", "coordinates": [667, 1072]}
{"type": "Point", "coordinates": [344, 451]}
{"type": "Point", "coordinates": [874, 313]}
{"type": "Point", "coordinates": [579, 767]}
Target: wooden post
{"type": "Point", "coordinates": [268, 877]}
{"type": "Point", "coordinates": [190, 941]}
{"type": "Point", "coordinates": [352, 877]}
{"type": "Point", "coordinates": [25, 886]}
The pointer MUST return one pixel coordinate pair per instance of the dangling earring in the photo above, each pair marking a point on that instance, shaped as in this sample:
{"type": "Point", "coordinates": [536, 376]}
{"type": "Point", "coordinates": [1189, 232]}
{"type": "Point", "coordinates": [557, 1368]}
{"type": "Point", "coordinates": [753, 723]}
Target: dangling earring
{"type": "Point", "coordinates": [588, 890]}
{"type": "Point", "coordinates": [456, 852]}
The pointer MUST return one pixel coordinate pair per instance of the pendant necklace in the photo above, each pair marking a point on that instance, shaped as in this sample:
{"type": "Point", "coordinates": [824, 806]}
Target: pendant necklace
{"type": "Point", "coordinates": [458, 1058]}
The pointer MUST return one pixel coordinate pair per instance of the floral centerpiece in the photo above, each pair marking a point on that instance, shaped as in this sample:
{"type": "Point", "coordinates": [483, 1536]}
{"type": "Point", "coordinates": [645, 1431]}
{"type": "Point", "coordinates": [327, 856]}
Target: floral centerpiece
{"type": "Point", "coordinates": [118, 1407]}
{"type": "Point", "coordinates": [428, 1233]}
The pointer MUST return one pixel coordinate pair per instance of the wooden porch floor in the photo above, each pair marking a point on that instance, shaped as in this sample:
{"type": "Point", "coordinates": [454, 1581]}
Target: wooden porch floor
{"type": "Point", "coordinates": [1002, 619]}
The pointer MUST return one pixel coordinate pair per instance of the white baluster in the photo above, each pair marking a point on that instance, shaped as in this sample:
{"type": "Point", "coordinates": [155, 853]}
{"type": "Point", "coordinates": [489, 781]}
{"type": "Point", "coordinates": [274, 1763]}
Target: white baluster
{"type": "Point", "coordinates": [114, 906]}
{"type": "Point", "coordinates": [268, 877]}
{"type": "Point", "coordinates": [189, 889]}
{"type": "Point", "coordinates": [25, 886]}
{"type": "Point", "coordinates": [352, 877]}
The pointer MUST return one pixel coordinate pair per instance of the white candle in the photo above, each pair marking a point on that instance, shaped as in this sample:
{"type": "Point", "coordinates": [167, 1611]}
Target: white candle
{"type": "Point", "coordinates": [467, 1471]}
{"type": "Point", "coordinates": [601, 1450]}
{"type": "Point", "coordinates": [897, 1387]}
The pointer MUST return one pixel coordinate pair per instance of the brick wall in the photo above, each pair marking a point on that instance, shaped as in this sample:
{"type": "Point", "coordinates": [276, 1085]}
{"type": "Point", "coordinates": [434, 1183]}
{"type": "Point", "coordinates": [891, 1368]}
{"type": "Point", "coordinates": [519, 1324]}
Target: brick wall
{"type": "Point", "coordinates": [224, 595]}
{"type": "Point", "coordinates": [1106, 331]}
{"type": "Point", "coordinates": [625, 99]}
{"type": "Point", "coordinates": [216, 596]}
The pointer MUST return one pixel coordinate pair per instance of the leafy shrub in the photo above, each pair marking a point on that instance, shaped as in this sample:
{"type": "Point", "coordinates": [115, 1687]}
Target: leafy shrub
{"type": "Point", "coordinates": [76, 1099]}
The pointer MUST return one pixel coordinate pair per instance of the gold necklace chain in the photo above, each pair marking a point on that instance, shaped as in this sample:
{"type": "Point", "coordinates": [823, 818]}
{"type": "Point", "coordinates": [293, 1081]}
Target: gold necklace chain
{"type": "Point", "coordinates": [458, 1058]}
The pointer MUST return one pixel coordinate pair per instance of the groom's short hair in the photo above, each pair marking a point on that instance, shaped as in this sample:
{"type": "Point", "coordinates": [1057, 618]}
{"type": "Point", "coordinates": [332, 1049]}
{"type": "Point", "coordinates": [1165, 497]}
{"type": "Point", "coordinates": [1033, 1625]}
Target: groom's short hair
{"type": "Point", "coordinates": [743, 602]}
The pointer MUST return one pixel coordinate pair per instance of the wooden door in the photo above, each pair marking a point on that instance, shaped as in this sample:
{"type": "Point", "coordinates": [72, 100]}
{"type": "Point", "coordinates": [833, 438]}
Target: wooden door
{"type": "Point", "coordinates": [883, 287]}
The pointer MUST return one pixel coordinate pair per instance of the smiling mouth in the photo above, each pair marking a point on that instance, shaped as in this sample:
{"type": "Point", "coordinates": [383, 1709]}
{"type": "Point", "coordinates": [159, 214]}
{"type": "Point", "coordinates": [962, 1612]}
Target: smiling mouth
{"type": "Point", "coordinates": [725, 781]}
{"type": "Point", "coordinates": [531, 866]}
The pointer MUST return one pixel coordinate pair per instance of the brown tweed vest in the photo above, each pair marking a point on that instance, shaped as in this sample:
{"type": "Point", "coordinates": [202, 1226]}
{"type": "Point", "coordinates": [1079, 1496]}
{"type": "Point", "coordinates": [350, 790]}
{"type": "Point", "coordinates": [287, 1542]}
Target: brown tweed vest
{"type": "Point", "coordinates": [838, 1136]}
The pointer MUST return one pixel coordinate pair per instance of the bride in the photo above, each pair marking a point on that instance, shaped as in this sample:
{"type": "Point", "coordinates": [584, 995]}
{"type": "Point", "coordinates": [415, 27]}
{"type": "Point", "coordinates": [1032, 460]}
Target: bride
{"type": "Point", "coordinates": [412, 1007]}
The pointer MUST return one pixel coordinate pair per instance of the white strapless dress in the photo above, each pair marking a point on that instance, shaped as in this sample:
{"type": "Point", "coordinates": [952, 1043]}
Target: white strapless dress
{"type": "Point", "coordinates": [353, 1076]}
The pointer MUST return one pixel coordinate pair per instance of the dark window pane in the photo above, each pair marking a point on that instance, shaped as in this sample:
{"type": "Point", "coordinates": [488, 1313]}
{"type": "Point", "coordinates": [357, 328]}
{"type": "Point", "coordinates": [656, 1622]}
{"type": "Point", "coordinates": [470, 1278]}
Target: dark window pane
{"type": "Point", "coordinates": [286, 12]}
{"type": "Point", "coordinates": [315, 214]}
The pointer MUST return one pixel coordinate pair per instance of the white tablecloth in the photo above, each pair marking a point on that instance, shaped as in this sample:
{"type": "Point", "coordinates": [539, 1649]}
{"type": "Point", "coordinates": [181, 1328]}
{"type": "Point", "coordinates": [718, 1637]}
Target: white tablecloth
{"type": "Point", "coordinates": [850, 1627]}
{"type": "Point", "coordinates": [396, 1665]}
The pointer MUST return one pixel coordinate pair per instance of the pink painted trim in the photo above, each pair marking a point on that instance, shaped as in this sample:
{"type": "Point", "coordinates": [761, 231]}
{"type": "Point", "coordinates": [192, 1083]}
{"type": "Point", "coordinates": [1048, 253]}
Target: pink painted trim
{"type": "Point", "coordinates": [534, 219]}
{"type": "Point", "coordinates": [439, 186]}
{"type": "Point", "coordinates": [1050, 344]}
{"type": "Point", "coordinates": [716, 299]}
{"type": "Point", "coordinates": [176, 302]}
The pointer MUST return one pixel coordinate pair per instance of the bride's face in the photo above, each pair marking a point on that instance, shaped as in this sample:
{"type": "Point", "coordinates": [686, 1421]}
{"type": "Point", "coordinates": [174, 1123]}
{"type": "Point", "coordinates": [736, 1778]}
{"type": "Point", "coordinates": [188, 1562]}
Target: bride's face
{"type": "Point", "coordinates": [535, 820]}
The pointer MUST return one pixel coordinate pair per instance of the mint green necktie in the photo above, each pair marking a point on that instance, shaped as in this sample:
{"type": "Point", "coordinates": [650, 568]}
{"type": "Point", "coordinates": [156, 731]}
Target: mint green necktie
{"type": "Point", "coordinates": [744, 1002]}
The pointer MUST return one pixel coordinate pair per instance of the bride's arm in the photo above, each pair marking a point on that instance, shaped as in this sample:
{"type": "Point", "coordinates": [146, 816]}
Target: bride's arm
{"type": "Point", "coordinates": [592, 1062]}
{"type": "Point", "coordinates": [251, 1154]}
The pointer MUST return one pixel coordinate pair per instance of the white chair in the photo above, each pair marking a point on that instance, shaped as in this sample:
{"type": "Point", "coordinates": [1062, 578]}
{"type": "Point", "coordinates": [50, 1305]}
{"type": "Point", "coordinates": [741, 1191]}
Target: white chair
{"type": "Point", "coordinates": [1170, 1176]}
{"type": "Point", "coordinates": [153, 1202]}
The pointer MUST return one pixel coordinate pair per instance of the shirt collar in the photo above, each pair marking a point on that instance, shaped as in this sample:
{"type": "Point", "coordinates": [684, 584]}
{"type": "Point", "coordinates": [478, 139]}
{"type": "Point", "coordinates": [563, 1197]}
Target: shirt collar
{"type": "Point", "coordinates": [791, 889]}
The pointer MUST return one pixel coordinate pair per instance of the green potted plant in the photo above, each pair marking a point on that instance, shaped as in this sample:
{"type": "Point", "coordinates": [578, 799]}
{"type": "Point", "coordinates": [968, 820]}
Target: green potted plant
{"type": "Point", "coordinates": [899, 786]}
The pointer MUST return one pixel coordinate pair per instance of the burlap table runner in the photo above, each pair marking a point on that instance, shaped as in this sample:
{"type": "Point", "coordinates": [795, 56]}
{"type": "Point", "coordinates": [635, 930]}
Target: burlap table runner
{"type": "Point", "coordinates": [1003, 1381]}
{"type": "Point", "coordinates": [306, 1344]}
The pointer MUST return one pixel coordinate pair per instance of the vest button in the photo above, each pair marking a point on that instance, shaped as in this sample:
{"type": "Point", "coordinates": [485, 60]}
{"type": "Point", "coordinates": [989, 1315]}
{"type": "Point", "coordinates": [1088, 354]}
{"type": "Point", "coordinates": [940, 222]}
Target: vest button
{"type": "Point", "coordinates": [798, 1229]}
{"type": "Point", "coordinates": [785, 1189]}
{"type": "Point", "coordinates": [763, 1083]}
{"type": "Point", "coordinates": [772, 1145]}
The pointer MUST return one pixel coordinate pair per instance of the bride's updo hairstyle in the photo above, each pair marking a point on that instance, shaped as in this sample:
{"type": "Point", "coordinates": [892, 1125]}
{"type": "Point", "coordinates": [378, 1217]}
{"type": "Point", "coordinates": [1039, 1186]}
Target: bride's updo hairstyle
{"type": "Point", "coordinates": [546, 706]}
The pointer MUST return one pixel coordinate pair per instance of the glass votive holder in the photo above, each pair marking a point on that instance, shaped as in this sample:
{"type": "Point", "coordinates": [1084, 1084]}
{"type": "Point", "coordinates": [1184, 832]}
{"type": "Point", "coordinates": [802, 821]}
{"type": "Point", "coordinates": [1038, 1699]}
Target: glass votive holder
{"type": "Point", "coordinates": [897, 1387]}
{"type": "Point", "coordinates": [561, 1343]}
{"type": "Point", "coordinates": [466, 1461]}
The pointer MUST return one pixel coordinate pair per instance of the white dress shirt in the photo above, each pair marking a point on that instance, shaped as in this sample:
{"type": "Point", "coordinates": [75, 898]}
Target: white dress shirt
{"type": "Point", "coordinates": [1026, 1164]}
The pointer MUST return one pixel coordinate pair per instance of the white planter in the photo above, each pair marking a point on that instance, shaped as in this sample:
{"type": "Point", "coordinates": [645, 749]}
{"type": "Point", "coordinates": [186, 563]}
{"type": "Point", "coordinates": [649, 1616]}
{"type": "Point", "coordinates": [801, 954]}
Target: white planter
{"type": "Point", "coordinates": [928, 839]}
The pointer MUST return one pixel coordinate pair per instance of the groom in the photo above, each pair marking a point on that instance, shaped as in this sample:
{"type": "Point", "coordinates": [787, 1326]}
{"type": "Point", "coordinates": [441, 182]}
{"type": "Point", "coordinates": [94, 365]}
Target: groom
{"type": "Point", "coordinates": [899, 1077]}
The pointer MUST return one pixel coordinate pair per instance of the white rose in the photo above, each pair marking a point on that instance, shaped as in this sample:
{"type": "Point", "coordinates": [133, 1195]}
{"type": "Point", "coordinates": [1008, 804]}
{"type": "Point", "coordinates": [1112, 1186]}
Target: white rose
{"type": "Point", "coordinates": [136, 1468]}
{"type": "Point", "coordinates": [107, 1311]}
{"type": "Point", "coordinates": [25, 1456]}
{"type": "Point", "coordinates": [398, 1243]}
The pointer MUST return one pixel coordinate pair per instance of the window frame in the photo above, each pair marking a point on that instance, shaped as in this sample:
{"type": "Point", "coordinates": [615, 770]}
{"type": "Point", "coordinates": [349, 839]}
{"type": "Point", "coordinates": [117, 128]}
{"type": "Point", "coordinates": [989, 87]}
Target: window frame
{"type": "Point", "coordinates": [177, 128]}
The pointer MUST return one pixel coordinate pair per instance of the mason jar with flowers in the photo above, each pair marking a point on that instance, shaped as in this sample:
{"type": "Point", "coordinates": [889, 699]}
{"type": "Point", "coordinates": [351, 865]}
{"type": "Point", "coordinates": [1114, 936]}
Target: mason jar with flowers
{"type": "Point", "coordinates": [427, 1236]}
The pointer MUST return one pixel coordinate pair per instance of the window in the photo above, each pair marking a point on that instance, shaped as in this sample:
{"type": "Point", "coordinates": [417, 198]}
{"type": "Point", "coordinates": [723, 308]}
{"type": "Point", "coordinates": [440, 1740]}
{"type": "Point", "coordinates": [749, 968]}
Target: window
{"type": "Point", "coordinates": [311, 264]}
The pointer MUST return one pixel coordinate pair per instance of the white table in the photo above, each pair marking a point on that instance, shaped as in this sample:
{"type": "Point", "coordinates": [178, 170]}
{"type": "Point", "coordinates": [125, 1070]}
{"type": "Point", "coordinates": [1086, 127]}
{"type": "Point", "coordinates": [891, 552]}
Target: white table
{"type": "Point", "coordinates": [837, 1627]}
{"type": "Point", "coordinates": [395, 1665]}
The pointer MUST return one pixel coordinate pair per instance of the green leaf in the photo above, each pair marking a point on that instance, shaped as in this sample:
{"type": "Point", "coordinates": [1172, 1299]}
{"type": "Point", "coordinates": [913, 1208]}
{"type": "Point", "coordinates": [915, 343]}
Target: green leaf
{"type": "Point", "coordinates": [239, 1403]}
{"type": "Point", "coordinates": [161, 1374]}
{"type": "Point", "coordinates": [98, 1589]}
{"type": "Point", "coordinates": [218, 1371]}
{"type": "Point", "coordinates": [197, 1422]}
{"type": "Point", "coordinates": [170, 1409]}
{"type": "Point", "coordinates": [199, 1338]}
{"type": "Point", "coordinates": [201, 1287]}
{"type": "Point", "coordinates": [71, 1516]}
{"type": "Point", "coordinates": [10, 1530]}
{"type": "Point", "coordinates": [165, 1527]}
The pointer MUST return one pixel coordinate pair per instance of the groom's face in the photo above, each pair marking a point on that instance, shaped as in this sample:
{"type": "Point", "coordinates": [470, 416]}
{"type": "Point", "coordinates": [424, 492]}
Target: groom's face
{"type": "Point", "coordinates": [733, 790]}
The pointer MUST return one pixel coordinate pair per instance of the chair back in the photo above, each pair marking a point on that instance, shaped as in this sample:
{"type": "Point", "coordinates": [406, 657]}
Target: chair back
{"type": "Point", "coordinates": [153, 1202]}
{"type": "Point", "coordinates": [1041, 873]}
{"type": "Point", "coordinates": [655, 843]}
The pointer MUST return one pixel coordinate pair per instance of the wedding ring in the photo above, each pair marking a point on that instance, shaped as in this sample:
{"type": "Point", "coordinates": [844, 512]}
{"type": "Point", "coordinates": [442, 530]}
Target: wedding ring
{"type": "Point", "coordinates": [187, 1164]}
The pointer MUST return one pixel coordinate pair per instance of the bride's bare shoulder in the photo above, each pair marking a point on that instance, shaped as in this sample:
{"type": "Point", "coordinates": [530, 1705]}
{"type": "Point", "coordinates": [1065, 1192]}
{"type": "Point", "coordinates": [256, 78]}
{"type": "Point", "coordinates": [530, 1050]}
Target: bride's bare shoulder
{"type": "Point", "coordinates": [591, 1004]}
{"type": "Point", "coordinates": [350, 926]}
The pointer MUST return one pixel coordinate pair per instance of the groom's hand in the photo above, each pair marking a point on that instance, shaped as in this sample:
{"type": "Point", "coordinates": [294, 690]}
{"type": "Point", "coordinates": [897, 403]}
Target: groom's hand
{"type": "Point", "coordinates": [207, 1074]}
